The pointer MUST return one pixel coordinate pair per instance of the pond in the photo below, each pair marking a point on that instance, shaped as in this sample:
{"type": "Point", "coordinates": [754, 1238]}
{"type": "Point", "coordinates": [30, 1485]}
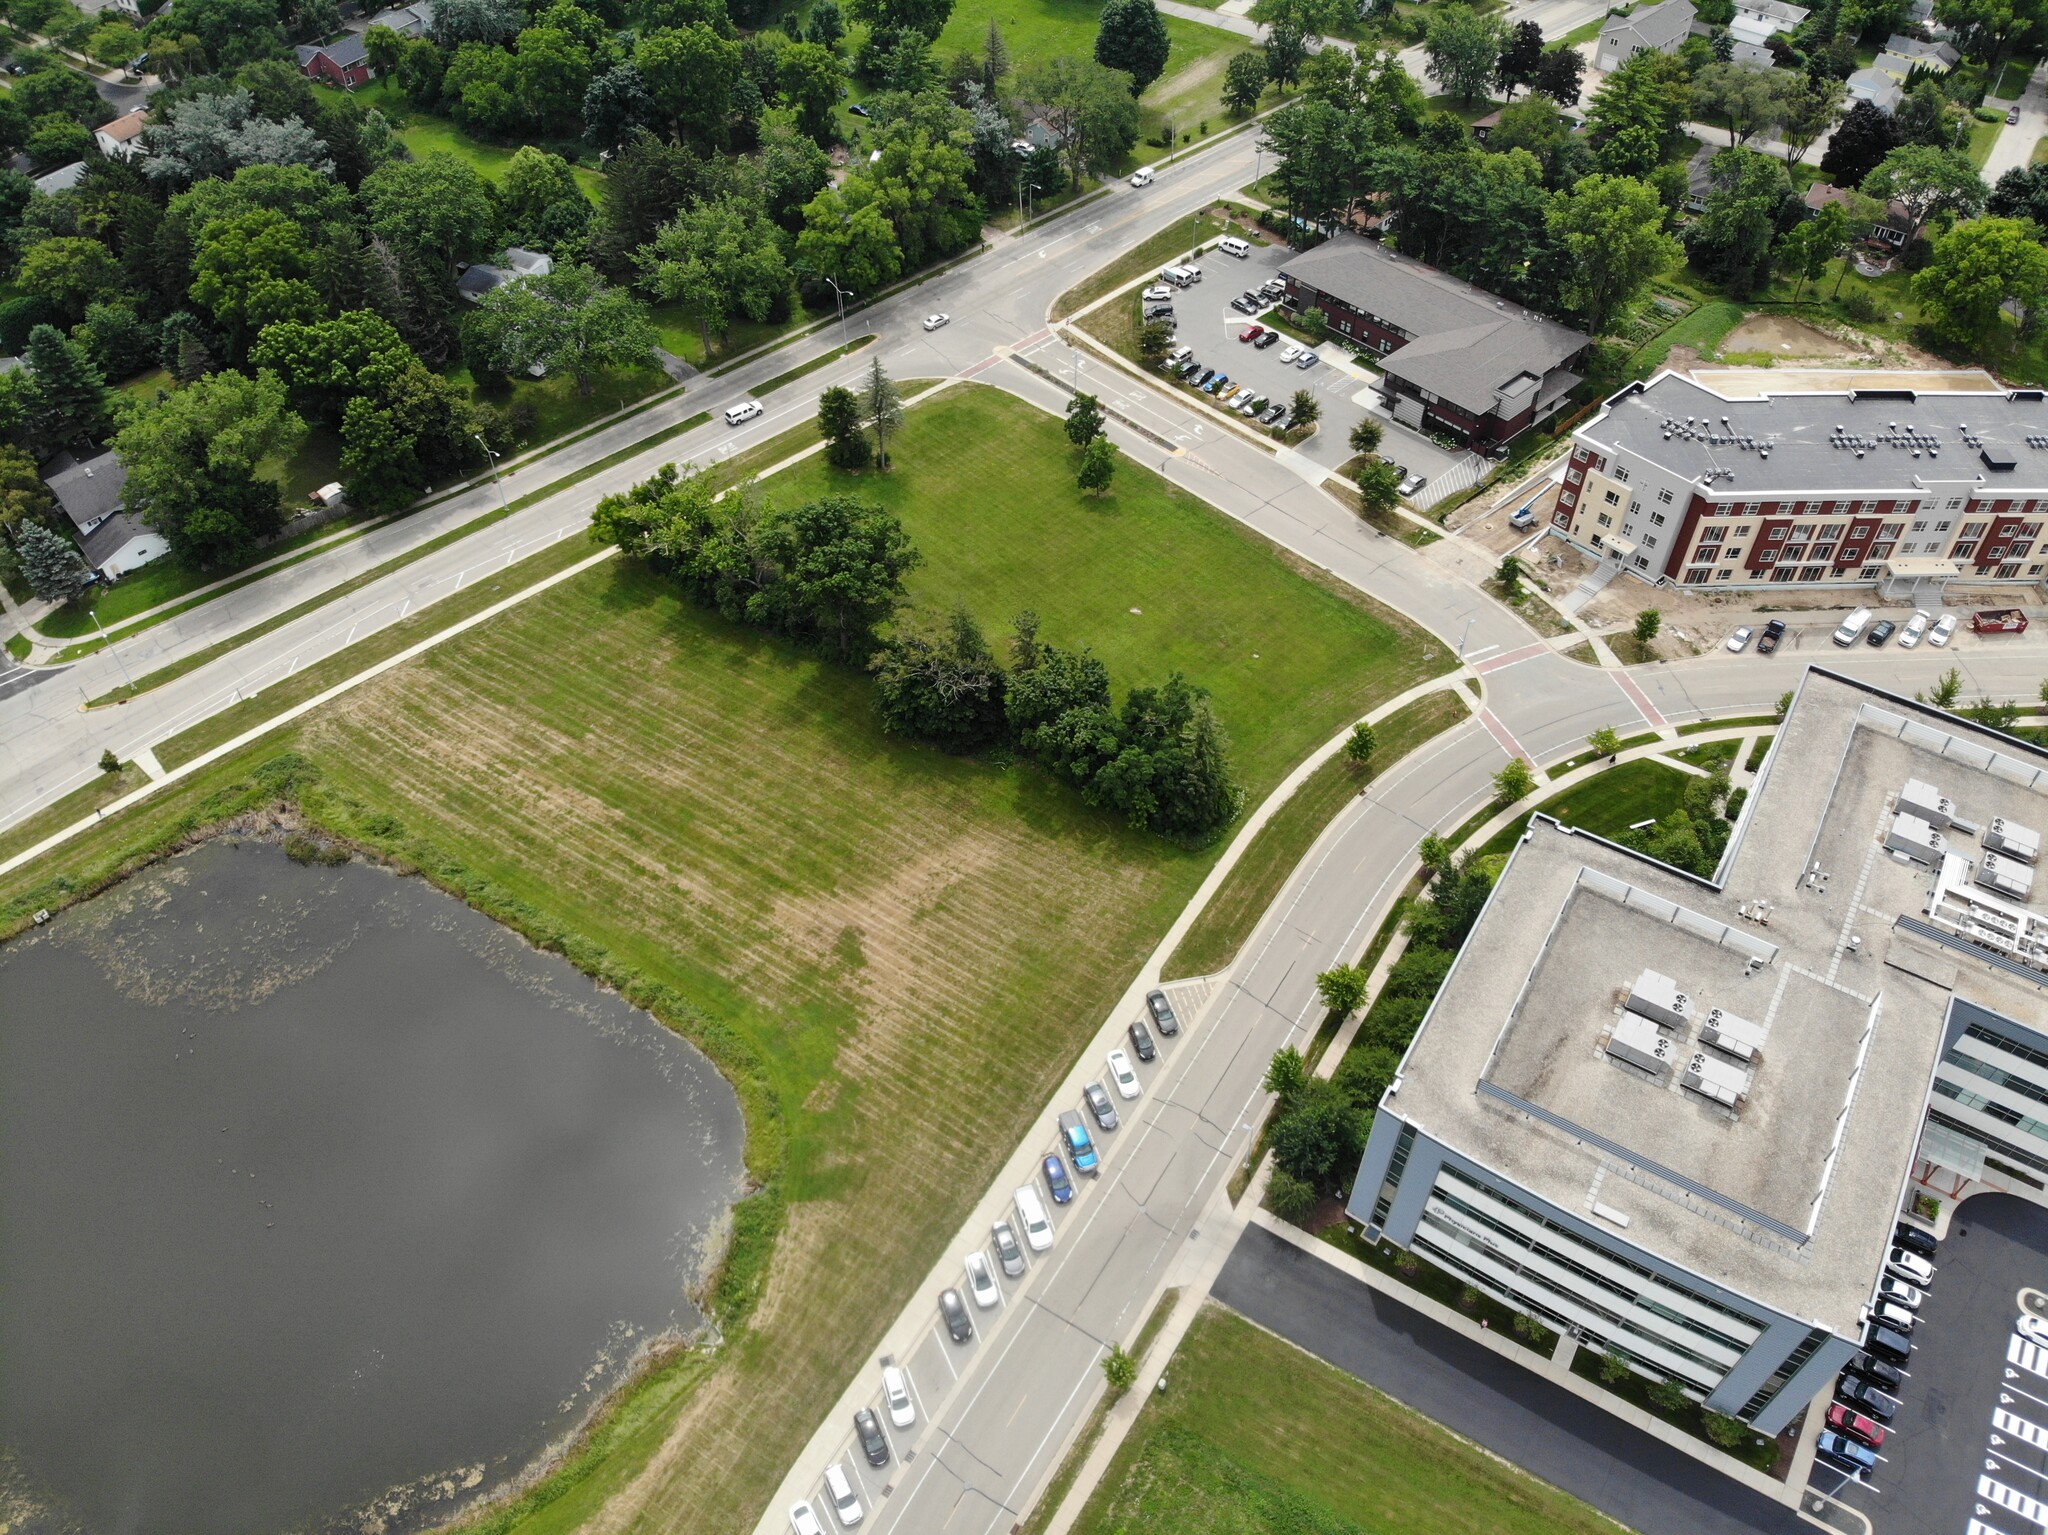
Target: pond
{"type": "Point", "coordinates": [325, 1201]}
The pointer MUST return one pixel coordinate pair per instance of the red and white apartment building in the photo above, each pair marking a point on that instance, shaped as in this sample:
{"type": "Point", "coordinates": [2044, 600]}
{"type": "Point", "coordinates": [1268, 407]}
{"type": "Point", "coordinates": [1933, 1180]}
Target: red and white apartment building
{"type": "Point", "coordinates": [1678, 483]}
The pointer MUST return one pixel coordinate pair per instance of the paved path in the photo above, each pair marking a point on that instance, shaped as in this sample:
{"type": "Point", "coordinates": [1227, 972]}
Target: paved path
{"type": "Point", "coordinates": [2014, 146]}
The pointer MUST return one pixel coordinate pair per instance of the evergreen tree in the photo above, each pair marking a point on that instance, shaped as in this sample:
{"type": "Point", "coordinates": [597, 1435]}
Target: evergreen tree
{"type": "Point", "coordinates": [839, 423]}
{"type": "Point", "coordinates": [50, 562]}
{"type": "Point", "coordinates": [883, 407]}
{"type": "Point", "coordinates": [67, 396]}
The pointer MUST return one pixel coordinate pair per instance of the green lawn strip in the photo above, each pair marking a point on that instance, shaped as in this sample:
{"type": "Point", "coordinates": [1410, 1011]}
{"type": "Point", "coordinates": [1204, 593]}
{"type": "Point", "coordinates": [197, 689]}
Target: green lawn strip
{"type": "Point", "coordinates": [1393, 524]}
{"type": "Point", "coordinates": [311, 681]}
{"type": "Point", "coordinates": [1255, 881]}
{"type": "Point", "coordinates": [1701, 727]}
{"type": "Point", "coordinates": [179, 668]}
{"type": "Point", "coordinates": [1076, 1457]}
{"type": "Point", "coordinates": [1982, 137]}
{"type": "Point", "coordinates": [1758, 752]}
{"type": "Point", "coordinates": [1606, 805]}
{"type": "Point", "coordinates": [1254, 1434]}
{"type": "Point", "coordinates": [681, 334]}
{"type": "Point", "coordinates": [1571, 764]}
{"type": "Point", "coordinates": [812, 366]}
{"type": "Point", "coordinates": [1139, 262]}
{"type": "Point", "coordinates": [75, 806]}
{"type": "Point", "coordinates": [1583, 653]}
{"type": "Point", "coordinates": [18, 646]}
{"type": "Point", "coordinates": [1702, 330]}
{"type": "Point", "coordinates": [1710, 755]}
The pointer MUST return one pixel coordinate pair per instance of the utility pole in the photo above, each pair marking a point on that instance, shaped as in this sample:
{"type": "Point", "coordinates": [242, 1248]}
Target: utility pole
{"type": "Point", "coordinates": [108, 644]}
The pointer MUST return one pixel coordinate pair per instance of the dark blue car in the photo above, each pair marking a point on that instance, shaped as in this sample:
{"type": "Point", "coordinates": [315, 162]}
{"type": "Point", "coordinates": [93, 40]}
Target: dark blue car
{"type": "Point", "coordinates": [1057, 1183]}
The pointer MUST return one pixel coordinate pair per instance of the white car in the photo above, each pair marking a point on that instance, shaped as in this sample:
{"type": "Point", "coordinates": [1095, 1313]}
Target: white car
{"type": "Point", "coordinates": [934, 321]}
{"type": "Point", "coordinates": [1910, 1266]}
{"type": "Point", "coordinates": [981, 1281]}
{"type": "Point", "coordinates": [1031, 1216]}
{"type": "Point", "coordinates": [1899, 1293]}
{"type": "Point", "coordinates": [1915, 627]}
{"type": "Point", "coordinates": [1120, 1073]}
{"type": "Point", "coordinates": [1739, 640]}
{"type": "Point", "coordinates": [1289, 352]}
{"type": "Point", "coordinates": [1943, 628]}
{"type": "Point", "coordinates": [803, 1521]}
{"type": "Point", "coordinates": [896, 1396]}
{"type": "Point", "coordinates": [845, 1501]}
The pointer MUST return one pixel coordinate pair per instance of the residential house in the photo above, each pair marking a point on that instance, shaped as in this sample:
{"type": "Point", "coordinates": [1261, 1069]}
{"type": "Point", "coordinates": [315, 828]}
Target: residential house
{"type": "Point", "coordinates": [1940, 57]}
{"type": "Point", "coordinates": [121, 139]}
{"type": "Point", "coordinates": [91, 492]}
{"type": "Point", "coordinates": [1774, 15]}
{"type": "Point", "coordinates": [1699, 178]}
{"type": "Point", "coordinates": [1892, 228]}
{"type": "Point", "coordinates": [406, 20]}
{"type": "Point", "coordinates": [513, 264]}
{"type": "Point", "coordinates": [62, 179]}
{"type": "Point", "coordinates": [1878, 88]}
{"type": "Point", "coordinates": [1454, 359]}
{"type": "Point", "coordinates": [1038, 134]}
{"type": "Point", "coordinates": [1648, 29]}
{"type": "Point", "coordinates": [344, 62]}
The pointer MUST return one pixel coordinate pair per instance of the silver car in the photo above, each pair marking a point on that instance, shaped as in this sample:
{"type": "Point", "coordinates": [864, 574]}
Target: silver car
{"type": "Point", "coordinates": [1008, 1252]}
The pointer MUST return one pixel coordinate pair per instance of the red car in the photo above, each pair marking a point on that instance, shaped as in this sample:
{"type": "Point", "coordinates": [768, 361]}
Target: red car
{"type": "Point", "coordinates": [1855, 1425]}
{"type": "Point", "coordinates": [1252, 333]}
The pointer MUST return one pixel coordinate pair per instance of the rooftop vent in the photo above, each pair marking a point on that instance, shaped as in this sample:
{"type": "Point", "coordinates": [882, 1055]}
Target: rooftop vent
{"type": "Point", "coordinates": [1723, 1082]}
{"type": "Point", "coordinates": [1922, 799]}
{"type": "Point", "coordinates": [2013, 840]}
{"type": "Point", "coordinates": [1657, 997]}
{"type": "Point", "coordinates": [1919, 841]}
{"type": "Point", "coordinates": [1999, 460]}
{"type": "Point", "coordinates": [1637, 1042]}
{"type": "Point", "coordinates": [2007, 876]}
{"type": "Point", "coordinates": [1732, 1035]}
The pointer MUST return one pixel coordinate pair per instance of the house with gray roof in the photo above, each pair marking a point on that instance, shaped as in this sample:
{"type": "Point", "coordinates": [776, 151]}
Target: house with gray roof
{"type": "Point", "coordinates": [513, 264]}
{"type": "Point", "coordinates": [1647, 29]}
{"type": "Point", "coordinates": [91, 493]}
{"type": "Point", "coordinates": [1455, 358]}
{"type": "Point", "coordinates": [344, 62]}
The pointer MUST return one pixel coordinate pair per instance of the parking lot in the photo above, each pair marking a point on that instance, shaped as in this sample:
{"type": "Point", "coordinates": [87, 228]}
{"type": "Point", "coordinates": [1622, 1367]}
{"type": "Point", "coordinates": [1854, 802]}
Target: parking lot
{"type": "Point", "coordinates": [1967, 1451]}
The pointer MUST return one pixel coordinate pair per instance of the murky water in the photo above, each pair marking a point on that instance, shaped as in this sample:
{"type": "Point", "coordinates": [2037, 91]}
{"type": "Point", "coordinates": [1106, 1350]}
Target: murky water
{"type": "Point", "coordinates": [319, 1191]}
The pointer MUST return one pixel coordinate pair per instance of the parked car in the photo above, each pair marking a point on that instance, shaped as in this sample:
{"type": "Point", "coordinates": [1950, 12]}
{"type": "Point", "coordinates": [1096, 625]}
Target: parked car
{"type": "Point", "coordinates": [1057, 1183]}
{"type": "Point", "coordinates": [1162, 1013]}
{"type": "Point", "coordinates": [858, 110]}
{"type": "Point", "coordinates": [954, 1310]}
{"type": "Point", "coordinates": [1031, 1216]}
{"type": "Point", "coordinates": [1074, 1132]}
{"type": "Point", "coordinates": [1880, 631]}
{"type": "Point", "coordinates": [1844, 1420]}
{"type": "Point", "coordinates": [1901, 1293]}
{"type": "Point", "coordinates": [1272, 414]}
{"type": "Point", "coordinates": [1774, 631]}
{"type": "Point", "coordinates": [1008, 1253]}
{"type": "Point", "coordinates": [1867, 1398]}
{"type": "Point", "coordinates": [1252, 406]}
{"type": "Point", "coordinates": [1876, 1372]}
{"type": "Point", "coordinates": [1846, 1454]}
{"type": "Point", "coordinates": [934, 321]}
{"type": "Point", "coordinates": [1852, 626]}
{"type": "Point", "coordinates": [1270, 338]}
{"type": "Point", "coordinates": [1122, 1075]}
{"type": "Point", "coordinates": [873, 1443]}
{"type": "Point", "coordinates": [896, 1395]}
{"type": "Point", "coordinates": [1900, 1319]}
{"type": "Point", "coordinates": [1739, 640]}
{"type": "Point", "coordinates": [1291, 354]}
{"type": "Point", "coordinates": [981, 1281]}
{"type": "Point", "coordinates": [1273, 287]}
{"type": "Point", "coordinates": [1413, 483]}
{"type": "Point", "coordinates": [839, 1488]}
{"type": "Point", "coordinates": [1888, 1343]}
{"type": "Point", "coordinates": [1913, 1239]}
{"type": "Point", "coordinates": [1915, 627]}
{"type": "Point", "coordinates": [1100, 1106]}
{"type": "Point", "coordinates": [1244, 305]}
{"type": "Point", "coordinates": [1944, 626]}
{"type": "Point", "coordinates": [2012, 118]}
{"type": "Point", "coordinates": [1158, 293]}
{"type": "Point", "coordinates": [1306, 360]}
{"type": "Point", "coordinates": [1216, 383]}
{"type": "Point", "coordinates": [1251, 333]}
{"type": "Point", "coordinates": [1141, 1040]}
{"type": "Point", "coordinates": [803, 1521]}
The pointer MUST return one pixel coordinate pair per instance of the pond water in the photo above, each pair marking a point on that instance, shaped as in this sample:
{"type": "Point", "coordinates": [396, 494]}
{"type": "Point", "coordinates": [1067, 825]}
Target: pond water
{"type": "Point", "coordinates": [324, 1200]}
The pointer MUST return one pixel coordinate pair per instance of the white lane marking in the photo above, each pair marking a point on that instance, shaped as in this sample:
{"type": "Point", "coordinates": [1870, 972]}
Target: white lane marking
{"type": "Point", "coordinates": [942, 1354]}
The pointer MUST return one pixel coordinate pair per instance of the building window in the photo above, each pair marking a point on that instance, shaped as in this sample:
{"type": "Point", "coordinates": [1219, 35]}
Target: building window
{"type": "Point", "coordinates": [1614, 498]}
{"type": "Point", "coordinates": [1397, 1164]}
{"type": "Point", "coordinates": [1794, 552]}
{"type": "Point", "coordinates": [1823, 551]}
{"type": "Point", "coordinates": [1573, 476]}
{"type": "Point", "coordinates": [1606, 521]}
{"type": "Point", "coordinates": [1664, 496]}
{"type": "Point", "coordinates": [1995, 552]}
{"type": "Point", "coordinates": [1764, 556]}
{"type": "Point", "coordinates": [1724, 575]}
{"type": "Point", "coordinates": [1811, 572]}
{"type": "Point", "coordinates": [1974, 529]}
{"type": "Point", "coordinates": [1920, 526]}
{"type": "Point", "coordinates": [1621, 474]}
{"type": "Point", "coordinates": [1965, 549]}
{"type": "Point", "coordinates": [1777, 535]}
{"type": "Point", "coordinates": [1749, 508]}
{"type": "Point", "coordinates": [1866, 507]}
{"type": "Point", "coordinates": [1942, 526]}
{"type": "Point", "coordinates": [1783, 573]}
{"type": "Point", "coordinates": [2021, 549]}
{"type": "Point", "coordinates": [1881, 551]}
{"type": "Point", "coordinates": [1851, 556]}
{"type": "Point", "coordinates": [1802, 531]}
{"type": "Point", "coordinates": [1656, 519]}
{"type": "Point", "coordinates": [1832, 530]}
{"type": "Point", "coordinates": [2008, 571]}
{"type": "Point", "coordinates": [1712, 535]}
{"type": "Point", "coordinates": [1642, 562]}
{"type": "Point", "coordinates": [1698, 576]}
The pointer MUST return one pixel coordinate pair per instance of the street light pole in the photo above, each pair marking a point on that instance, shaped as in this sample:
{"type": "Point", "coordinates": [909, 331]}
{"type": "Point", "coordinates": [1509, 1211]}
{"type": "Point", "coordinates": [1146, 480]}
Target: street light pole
{"type": "Point", "coordinates": [1464, 637]}
{"type": "Point", "coordinates": [839, 297]}
{"type": "Point", "coordinates": [108, 644]}
{"type": "Point", "coordinates": [503, 504]}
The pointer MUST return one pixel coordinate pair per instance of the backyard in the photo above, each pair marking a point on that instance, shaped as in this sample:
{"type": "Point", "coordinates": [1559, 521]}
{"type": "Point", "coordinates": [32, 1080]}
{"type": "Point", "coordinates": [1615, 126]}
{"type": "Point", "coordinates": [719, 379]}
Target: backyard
{"type": "Point", "coordinates": [1254, 1434]}
{"type": "Point", "coordinates": [714, 820]}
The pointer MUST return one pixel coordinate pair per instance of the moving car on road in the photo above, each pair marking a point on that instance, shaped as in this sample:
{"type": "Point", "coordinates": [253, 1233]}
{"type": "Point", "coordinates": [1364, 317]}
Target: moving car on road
{"type": "Point", "coordinates": [1774, 631]}
{"type": "Point", "coordinates": [1161, 1010]}
{"type": "Point", "coordinates": [873, 1443]}
{"type": "Point", "coordinates": [1057, 1183]}
{"type": "Point", "coordinates": [934, 321]}
{"type": "Point", "coordinates": [1739, 640]}
{"type": "Point", "coordinates": [1122, 1075]}
{"type": "Point", "coordinates": [954, 1310]}
{"type": "Point", "coordinates": [1100, 1106]}
{"type": "Point", "coordinates": [896, 1396]}
{"type": "Point", "coordinates": [981, 1281]}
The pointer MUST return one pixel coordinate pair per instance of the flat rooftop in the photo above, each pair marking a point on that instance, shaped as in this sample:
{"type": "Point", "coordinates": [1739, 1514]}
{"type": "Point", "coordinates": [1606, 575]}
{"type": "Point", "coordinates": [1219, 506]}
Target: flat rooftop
{"type": "Point", "coordinates": [1784, 1187]}
{"type": "Point", "coordinates": [1865, 441]}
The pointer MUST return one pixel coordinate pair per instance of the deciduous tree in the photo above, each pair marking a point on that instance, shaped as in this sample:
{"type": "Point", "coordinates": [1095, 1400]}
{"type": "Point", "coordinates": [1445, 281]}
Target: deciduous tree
{"type": "Point", "coordinates": [437, 207]}
{"type": "Point", "coordinates": [1521, 56]}
{"type": "Point", "coordinates": [940, 683]}
{"type": "Point", "coordinates": [1610, 231]}
{"type": "Point", "coordinates": [1084, 419]}
{"type": "Point", "coordinates": [1978, 268]}
{"type": "Point", "coordinates": [1461, 48]}
{"type": "Point", "coordinates": [1926, 181]}
{"type": "Point", "coordinates": [568, 320]}
{"type": "Point", "coordinates": [1244, 82]}
{"type": "Point", "coordinates": [718, 258]}
{"type": "Point", "coordinates": [1132, 38]}
{"type": "Point", "coordinates": [192, 461]}
{"type": "Point", "coordinates": [1514, 782]}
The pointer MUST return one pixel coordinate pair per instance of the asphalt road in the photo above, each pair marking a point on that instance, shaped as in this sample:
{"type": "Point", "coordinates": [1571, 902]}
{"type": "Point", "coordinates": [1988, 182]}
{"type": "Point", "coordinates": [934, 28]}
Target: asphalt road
{"type": "Point", "coordinates": [1520, 1416]}
{"type": "Point", "coordinates": [1945, 1436]}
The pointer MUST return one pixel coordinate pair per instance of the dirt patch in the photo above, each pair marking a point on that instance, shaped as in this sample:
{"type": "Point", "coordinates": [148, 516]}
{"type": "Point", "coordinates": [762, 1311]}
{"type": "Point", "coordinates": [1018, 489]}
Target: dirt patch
{"type": "Point", "coordinates": [1490, 530]}
{"type": "Point", "coordinates": [1781, 335]}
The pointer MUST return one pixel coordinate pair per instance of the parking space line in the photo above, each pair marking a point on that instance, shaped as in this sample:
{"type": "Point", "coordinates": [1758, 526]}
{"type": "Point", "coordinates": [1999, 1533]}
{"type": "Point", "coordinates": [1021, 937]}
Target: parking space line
{"type": "Point", "coordinates": [942, 1354]}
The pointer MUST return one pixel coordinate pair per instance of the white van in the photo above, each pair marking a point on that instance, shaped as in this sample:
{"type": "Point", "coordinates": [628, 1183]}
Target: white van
{"type": "Point", "coordinates": [1182, 276]}
{"type": "Point", "coordinates": [1031, 1216]}
{"type": "Point", "coordinates": [745, 412]}
{"type": "Point", "coordinates": [1852, 626]}
{"type": "Point", "coordinates": [1231, 245]}
{"type": "Point", "coordinates": [1141, 178]}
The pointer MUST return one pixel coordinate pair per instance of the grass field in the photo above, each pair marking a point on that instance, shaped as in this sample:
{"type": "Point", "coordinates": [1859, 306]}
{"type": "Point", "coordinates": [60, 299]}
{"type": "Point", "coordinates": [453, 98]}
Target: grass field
{"type": "Point", "coordinates": [1609, 803]}
{"type": "Point", "coordinates": [426, 132]}
{"type": "Point", "coordinates": [1253, 883]}
{"type": "Point", "coordinates": [1255, 1435]}
{"type": "Point", "coordinates": [707, 815]}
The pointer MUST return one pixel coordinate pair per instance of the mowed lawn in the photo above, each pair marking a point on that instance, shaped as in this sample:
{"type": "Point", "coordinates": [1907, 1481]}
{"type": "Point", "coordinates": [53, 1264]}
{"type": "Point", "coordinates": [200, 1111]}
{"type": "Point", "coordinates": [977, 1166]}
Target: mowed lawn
{"type": "Point", "coordinates": [1255, 1437]}
{"type": "Point", "coordinates": [985, 485]}
{"type": "Point", "coordinates": [915, 946]}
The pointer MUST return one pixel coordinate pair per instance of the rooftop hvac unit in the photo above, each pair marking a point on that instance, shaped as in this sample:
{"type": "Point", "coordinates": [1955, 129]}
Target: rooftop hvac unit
{"type": "Point", "coordinates": [1637, 1041]}
{"type": "Point", "coordinates": [2006, 876]}
{"type": "Point", "coordinates": [1928, 803]}
{"type": "Point", "coordinates": [1732, 1035]}
{"type": "Point", "coordinates": [1658, 998]}
{"type": "Point", "coordinates": [1721, 1081]}
{"type": "Point", "coordinates": [1915, 838]}
{"type": "Point", "coordinates": [2013, 840]}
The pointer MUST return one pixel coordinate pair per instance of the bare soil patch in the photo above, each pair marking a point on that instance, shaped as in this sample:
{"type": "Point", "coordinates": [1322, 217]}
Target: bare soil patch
{"type": "Point", "coordinates": [1782, 335]}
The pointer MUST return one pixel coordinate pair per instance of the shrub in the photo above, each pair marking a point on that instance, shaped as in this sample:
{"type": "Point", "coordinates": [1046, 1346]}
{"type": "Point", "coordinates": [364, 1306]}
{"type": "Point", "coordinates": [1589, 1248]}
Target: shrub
{"type": "Point", "coordinates": [1859, 306]}
{"type": "Point", "coordinates": [1120, 1369]}
{"type": "Point", "coordinates": [1468, 1298]}
{"type": "Point", "coordinates": [1290, 1198]}
{"type": "Point", "coordinates": [109, 763]}
{"type": "Point", "coordinates": [1614, 1369]}
{"type": "Point", "coordinates": [1669, 1395]}
{"type": "Point", "coordinates": [1725, 1431]}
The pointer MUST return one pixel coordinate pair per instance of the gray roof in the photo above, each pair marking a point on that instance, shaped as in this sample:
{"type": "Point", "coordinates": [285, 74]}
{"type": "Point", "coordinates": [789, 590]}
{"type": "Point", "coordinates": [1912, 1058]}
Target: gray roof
{"type": "Point", "coordinates": [107, 540]}
{"type": "Point", "coordinates": [90, 490]}
{"type": "Point", "coordinates": [1791, 15]}
{"type": "Point", "coordinates": [63, 178]}
{"type": "Point", "coordinates": [1467, 342]}
{"type": "Point", "coordinates": [1808, 458]}
{"type": "Point", "coordinates": [1657, 27]}
{"type": "Point", "coordinates": [344, 52]}
{"type": "Point", "coordinates": [406, 20]}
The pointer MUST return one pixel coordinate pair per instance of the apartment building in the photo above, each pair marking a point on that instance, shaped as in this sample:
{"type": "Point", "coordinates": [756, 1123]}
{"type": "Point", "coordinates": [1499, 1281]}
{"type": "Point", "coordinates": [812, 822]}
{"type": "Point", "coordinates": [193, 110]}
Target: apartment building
{"type": "Point", "coordinates": [1677, 1118]}
{"type": "Point", "coordinates": [1681, 484]}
